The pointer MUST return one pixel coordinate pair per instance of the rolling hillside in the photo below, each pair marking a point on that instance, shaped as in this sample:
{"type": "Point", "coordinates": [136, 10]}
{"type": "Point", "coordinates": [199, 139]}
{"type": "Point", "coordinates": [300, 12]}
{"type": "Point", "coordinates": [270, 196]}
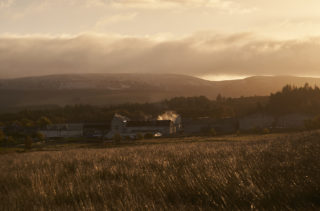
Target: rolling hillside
{"type": "Point", "coordinates": [108, 89]}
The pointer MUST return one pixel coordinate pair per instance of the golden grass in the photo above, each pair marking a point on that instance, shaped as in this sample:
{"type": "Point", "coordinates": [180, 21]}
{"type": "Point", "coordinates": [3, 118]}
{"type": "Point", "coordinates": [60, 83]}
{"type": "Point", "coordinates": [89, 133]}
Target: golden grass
{"type": "Point", "coordinates": [275, 172]}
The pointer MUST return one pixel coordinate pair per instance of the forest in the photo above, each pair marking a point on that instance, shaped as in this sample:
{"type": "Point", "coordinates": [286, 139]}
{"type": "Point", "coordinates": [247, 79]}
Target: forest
{"type": "Point", "coordinates": [290, 99]}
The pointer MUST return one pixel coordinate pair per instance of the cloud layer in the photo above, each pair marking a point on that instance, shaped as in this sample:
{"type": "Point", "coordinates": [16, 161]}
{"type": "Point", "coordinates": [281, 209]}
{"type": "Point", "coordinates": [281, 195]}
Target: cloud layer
{"type": "Point", "coordinates": [201, 54]}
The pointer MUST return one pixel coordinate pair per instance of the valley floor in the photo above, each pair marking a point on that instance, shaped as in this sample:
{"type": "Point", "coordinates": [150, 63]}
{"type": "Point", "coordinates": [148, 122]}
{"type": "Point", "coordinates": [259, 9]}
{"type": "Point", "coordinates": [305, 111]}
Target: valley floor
{"type": "Point", "coordinates": [263, 172]}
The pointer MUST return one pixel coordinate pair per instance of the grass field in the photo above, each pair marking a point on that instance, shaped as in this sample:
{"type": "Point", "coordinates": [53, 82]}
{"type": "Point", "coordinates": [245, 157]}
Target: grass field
{"type": "Point", "coordinates": [269, 172]}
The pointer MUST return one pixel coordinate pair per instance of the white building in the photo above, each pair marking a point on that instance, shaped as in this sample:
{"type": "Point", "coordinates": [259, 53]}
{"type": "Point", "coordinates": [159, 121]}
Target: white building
{"type": "Point", "coordinates": [118, 123]}
{"type": "Point", "coordinates": [126, 128]}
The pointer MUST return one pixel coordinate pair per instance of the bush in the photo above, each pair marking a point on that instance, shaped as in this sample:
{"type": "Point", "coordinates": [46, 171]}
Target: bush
{"type": "Point", "coordinates": [6, 140]}
{"type": "Point", "coordinates": [257, 129]}
{"type": "Point", "coordinates": [117, 137]}
{"type": "Point", "coordinates": [127, 138]}
{"type": "Point", "coordinates": [266, 131]}
{"type": "Point", "coordinates": [238, 133]}
{"type": "Point", "coordinates": [28, 142]}
{"type": "Point", "coordinates": [43, 122]}
{"type": "Point", "coordinates": [213, 132]}
{"type": "Point", "coordinates": [11, 140]}
{"type": "Point", "coordinates": [2, 136]}
{"type": "Point", "coordinates": [139, 136]}
{"type": "Point", "coordinates": [313, 123]}
{"type": "Point", "coordinates": [148, 136]}
{"type": "Point", "coordinates": [39, 136]}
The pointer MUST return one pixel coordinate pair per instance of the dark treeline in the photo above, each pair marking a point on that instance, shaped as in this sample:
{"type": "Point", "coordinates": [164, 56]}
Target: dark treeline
{"type": "Point", "coordinates": [188, 107]}
{"type": "Point", "coordinates": [290, 100]}
{"type": "Point", "coordinates": [295, 100]}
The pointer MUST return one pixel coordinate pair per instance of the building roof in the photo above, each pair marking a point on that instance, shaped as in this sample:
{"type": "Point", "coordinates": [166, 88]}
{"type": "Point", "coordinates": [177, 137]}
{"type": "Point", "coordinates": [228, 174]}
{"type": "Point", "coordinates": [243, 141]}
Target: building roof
{"type": "Point", "coordinates": [69, 127]}
{"type": "Point", "coordinates": [155, 123]}
{"type": "Point", "coordinates": [120, 117]}
{"type": "Point", "coordinates": [97, 126]}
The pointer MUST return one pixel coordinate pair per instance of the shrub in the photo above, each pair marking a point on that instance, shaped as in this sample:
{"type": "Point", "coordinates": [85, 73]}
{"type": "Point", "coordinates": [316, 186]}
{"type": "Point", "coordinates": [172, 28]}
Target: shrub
{"type": "Point", "coordinates": [10, 140]}
{"type": "Point", "coordinates": [126, 137]}
{"type": "Point", "coordinates": [313, 123]}
{"type": "Point", "coordinates": [238, 132]}
{"type": "Point", "coordinates": [266, 131]}
{"type": "Point", "coordinates": [43, 122]}
{"type": "Point", "coordinates": [6, 140]}
{"type": "Point", "coordinates": [117, 137]}
{"type": "Point", "coordinates": [148, 136]}
{"type": "Point", "coordinates": [2, 136]}
{"type": "Point", "coordinates": [39, 136]}
{"type": "Point", "coordinates": [257, 129]}
{"type": "Point", "coordinates": [28, 142]}
{"type": "Point", "coordinates": [213, 132]}
{"type": "Point", "coordinates": [139, 136]}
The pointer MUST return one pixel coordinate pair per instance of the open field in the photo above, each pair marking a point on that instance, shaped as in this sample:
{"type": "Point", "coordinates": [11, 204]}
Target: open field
{"type": "Point", "coordinates": [269, 172]}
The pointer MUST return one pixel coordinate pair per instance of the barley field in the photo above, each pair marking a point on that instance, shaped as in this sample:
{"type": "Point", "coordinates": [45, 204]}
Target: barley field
{"type": "Point", "coordinates": [271, 172]}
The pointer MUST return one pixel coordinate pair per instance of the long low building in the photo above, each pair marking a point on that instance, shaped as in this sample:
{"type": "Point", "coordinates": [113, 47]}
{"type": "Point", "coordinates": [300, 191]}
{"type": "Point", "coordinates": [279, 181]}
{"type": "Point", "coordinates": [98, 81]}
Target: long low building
{"type": "Point", "coordinates": [63, 130]}
{"type": "Point", "coordinates": [204, 125]}
{"type": "Point", "coordinates": [96, 130]}
{"type": "Point", "coordinates": [165, 127]}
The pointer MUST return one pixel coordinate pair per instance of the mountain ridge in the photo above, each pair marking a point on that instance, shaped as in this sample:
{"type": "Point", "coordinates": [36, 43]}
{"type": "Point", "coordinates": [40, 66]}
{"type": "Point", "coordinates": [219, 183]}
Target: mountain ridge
{"type": "Point", "coordinates": [112, 88]}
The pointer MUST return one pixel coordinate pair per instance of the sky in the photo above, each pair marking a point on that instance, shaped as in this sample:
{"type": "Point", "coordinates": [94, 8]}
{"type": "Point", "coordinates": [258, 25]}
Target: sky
{"type": "Point", "coordinates": [213, 39]}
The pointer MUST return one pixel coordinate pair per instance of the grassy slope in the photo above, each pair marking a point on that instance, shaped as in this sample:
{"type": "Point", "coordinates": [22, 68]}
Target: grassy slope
{"type": "Point", "coordinates": [263, 172]}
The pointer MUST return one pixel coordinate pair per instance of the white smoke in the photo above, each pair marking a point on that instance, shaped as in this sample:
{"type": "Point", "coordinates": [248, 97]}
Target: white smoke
{"type": "Point", "coordinates": [168, 115]}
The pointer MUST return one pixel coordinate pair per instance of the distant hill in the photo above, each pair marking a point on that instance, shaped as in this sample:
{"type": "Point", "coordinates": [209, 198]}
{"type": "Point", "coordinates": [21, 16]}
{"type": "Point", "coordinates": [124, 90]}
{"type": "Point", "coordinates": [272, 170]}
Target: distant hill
{"type": "Point", "coordinates": [108, 89]}
{"type": "Point", "coordinates": [261, 85]}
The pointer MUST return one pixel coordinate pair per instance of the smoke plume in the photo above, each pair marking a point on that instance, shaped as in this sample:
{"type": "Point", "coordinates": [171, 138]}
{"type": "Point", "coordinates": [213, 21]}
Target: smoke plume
{"type": "Point", "coordinates": [168, 115]}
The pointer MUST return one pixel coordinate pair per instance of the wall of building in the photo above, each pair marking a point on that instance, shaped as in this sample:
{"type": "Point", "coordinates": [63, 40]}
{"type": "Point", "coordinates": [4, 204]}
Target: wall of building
{"type": "Point", "coordinates": [256, 121]}
{"type": "Point", "coordinates": [293, 121]}
{"type": "Point", "coordinates": [150, 129]}
{"type": "Point", "coordinates": [61, 133]}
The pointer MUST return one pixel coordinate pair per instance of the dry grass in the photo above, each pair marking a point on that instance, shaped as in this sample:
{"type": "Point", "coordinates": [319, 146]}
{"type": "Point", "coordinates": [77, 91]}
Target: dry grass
{"type": "Point", "coordinates": [268, 173]}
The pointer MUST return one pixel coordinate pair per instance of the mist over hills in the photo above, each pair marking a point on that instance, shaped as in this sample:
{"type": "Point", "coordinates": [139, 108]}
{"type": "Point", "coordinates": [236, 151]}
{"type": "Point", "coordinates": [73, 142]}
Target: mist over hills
{"type": "Point", "coordinates": [110, 89]}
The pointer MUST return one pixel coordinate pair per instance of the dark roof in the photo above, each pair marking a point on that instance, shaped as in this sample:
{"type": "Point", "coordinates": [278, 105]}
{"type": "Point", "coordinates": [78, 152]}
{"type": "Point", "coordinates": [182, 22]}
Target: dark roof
{"type": "Point", "coordinates": [155, 123]}
{"type": "Point", "coordinates": [67, 126]}
{"type": "Point", "coordinates": [97, 126]}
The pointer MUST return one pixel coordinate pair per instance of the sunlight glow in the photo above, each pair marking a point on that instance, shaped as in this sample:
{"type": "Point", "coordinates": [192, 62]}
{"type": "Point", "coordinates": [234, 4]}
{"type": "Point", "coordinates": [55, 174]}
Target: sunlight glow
{"type": "Point", "coordinates": [223, 77]}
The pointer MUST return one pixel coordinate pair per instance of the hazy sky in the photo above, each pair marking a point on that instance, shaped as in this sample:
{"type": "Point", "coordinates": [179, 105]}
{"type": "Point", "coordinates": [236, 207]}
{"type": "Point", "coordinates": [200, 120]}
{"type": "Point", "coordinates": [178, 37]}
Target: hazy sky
{"type": "Point", "coordinates": [220, 38]}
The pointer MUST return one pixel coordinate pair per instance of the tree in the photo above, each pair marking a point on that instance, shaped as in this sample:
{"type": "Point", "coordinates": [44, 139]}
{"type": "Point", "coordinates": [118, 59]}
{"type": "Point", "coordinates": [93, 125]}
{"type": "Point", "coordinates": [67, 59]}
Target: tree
{"type": "Point", "coordinates": [2, 137]}
{"type": "Point", "coordinates": [27, 123]}
{"type": "Point", "coordinates": [16, 123]}
{"type": "Point", "coordinates": [44, 122]}
{"type": "Point", "coordinates": [39, 136]}
{"type": "Point", "coordinates": [10, 140]}
{"type": "Point", "coordinates": [28, 142]}
{"type": "Point", "coordinates": [219, 98]}
{"type": "Point", "coordinates": [213, 132]}
{"type": "Point", "coordinates": [292, 99]}
{"type": "Point", "coordinates": [313, 123]}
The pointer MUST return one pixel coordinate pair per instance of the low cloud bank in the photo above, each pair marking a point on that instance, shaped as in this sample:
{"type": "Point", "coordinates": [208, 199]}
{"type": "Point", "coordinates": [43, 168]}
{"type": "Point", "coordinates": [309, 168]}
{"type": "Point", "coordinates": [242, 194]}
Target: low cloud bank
{"type": "Point", "coordinates": [199, 54]}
